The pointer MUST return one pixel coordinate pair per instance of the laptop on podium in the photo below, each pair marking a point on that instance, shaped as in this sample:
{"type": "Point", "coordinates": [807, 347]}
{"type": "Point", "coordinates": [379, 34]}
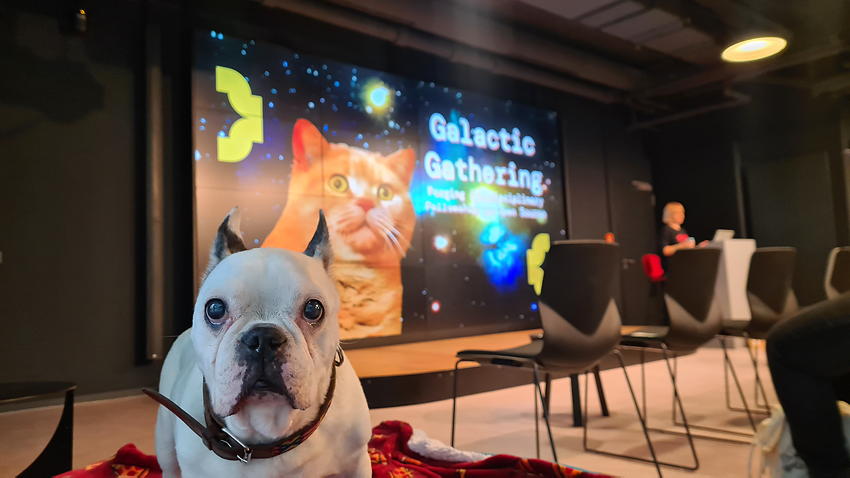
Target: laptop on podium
{"type": "Point", "coordinates": [723, 234]}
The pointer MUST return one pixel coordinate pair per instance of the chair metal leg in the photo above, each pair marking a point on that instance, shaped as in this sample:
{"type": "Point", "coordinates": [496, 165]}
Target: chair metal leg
{"type": "Point", "coordinates": [677, 396]}
{"type": "Point", "coordinates": [726, 386]}
{"type": "Point", "coordinates": [763, 408]}
{"type": "Point", "coordinates": [737, 383]}
{"type": "Point", "coordinates": [675, 374]}
{"type": "Point", "coordinates": [759, 384]}
{"type": "Point", "coordinates": [576, 394]}
{"type": "Point", "coordinates": [641, 418]}
{"type": "Point", "coordinates": [548, 378]}
{"type": "Point", "coordinates": [643, 383]}
{"type": "Point", "coordinates": [754, 358]}
{"type": "Point", "coordinates": [730, 366]}
{"type": "Point", "coordinates": [677, 401]}
{"type": "Point", "coordinates": [603, 404]}
{"type": "Point", "coordinates": [545, 416]}
{"type": "Point", "coordinates": [536, 419]}
{"type": "Point", "coordinates": [538, 393]}
{"type": "Point", "coordinates": [454, 398]}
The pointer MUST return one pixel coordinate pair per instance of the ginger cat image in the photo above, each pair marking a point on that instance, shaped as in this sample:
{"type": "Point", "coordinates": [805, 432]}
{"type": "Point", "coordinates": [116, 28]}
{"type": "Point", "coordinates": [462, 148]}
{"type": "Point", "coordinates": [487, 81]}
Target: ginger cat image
{"type": "Point", "coordinates": [365, 198]}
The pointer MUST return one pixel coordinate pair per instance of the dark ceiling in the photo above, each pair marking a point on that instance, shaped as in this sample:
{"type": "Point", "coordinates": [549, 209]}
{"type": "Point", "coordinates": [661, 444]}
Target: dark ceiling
{"type": "Point", "coordinates": [653, 55]}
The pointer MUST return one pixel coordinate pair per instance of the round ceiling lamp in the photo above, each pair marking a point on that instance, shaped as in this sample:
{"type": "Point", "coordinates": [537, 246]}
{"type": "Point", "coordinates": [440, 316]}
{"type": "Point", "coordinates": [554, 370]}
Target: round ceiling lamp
{"type": "Point", "coordinates": [753, 49]}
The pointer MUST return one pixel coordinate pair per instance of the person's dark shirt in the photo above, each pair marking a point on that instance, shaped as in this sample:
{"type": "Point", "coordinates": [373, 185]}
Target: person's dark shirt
{"type": "Point", "coordinates": [670, 237]}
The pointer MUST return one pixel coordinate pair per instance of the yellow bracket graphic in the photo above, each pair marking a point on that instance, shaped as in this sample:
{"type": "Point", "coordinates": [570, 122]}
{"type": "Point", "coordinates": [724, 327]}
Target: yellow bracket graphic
{"type": "Point", "coordinates": [534, 258]}
{"type": "Point", "coordinates": [249, 128]}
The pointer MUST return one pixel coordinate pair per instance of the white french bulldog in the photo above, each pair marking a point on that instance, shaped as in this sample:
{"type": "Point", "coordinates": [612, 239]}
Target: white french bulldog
{"type": "Point", "coordinates": [264, 348]}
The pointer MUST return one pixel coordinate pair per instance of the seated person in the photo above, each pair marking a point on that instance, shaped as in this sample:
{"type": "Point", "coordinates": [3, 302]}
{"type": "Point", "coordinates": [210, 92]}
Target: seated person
{"type": "Point", "coordinates": [810, 366]}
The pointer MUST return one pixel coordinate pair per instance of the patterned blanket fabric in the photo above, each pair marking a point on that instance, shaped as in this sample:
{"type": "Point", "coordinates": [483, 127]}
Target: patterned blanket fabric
{"type": "Point", "coordinates": [391, 458]}
{"type": "Point", "coordinates": [128, 462]}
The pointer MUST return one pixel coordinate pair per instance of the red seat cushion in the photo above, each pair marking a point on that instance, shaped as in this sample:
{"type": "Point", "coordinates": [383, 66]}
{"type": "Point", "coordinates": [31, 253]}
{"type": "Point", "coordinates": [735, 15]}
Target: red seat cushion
{"type": "Point", "coordinates": [652, 267]}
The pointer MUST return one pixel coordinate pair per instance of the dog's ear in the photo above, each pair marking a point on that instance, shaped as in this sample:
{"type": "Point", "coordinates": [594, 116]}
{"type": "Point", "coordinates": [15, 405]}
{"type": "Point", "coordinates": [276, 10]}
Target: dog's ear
{"type": "Point", "coordinates": [228, 240]}
{"type": "Point", "coordinates": [320, 244]}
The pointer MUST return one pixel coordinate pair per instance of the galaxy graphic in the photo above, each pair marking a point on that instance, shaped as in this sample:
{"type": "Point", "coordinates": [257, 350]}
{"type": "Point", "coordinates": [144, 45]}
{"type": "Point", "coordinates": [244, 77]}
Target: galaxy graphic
{"type": "Point", "coordinates": [487, 177]}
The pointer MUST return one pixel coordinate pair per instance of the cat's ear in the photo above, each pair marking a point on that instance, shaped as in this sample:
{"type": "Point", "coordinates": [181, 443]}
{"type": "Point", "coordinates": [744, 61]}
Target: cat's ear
{"type": "Point", "coordinates": [228, 240]}
{"type": "Point", "coordinates": [402, 162]}
{"type": "Point", "coordinates": [320, 244]}
{"type": "Point", "coordinates": [308, 145]}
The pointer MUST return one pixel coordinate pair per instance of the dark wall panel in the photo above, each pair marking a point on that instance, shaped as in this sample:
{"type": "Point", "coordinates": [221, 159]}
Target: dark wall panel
{"type": "Point", "coordinates": [71, 192]}
{"type": "Point", "coordinates": [631, 209]}
{"type": "Point", "coordinates": [587, 208]}
{"type": "Point", "coordinates": [790, 203]}
{"type": "Point", "coordinates": [700, 174]}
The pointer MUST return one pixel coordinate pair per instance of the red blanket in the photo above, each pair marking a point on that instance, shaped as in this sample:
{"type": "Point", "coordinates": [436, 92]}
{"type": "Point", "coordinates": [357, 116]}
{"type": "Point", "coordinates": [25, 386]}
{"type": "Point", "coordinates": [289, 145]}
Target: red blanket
{"type": "Point", "coordinates": [388, 450]}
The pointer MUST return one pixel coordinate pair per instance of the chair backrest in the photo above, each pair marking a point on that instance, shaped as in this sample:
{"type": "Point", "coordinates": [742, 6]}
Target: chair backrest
{"type": "Point", "coordinates": [652, 268]}
{"type": "Point", "coordinates": [769, 289]}
{"type": "Point", "coordinates": [837, 278]}
{"type": "Point", "coordinates": [689, 296]}
{"type": "Point", "coordinates": [581, 321]}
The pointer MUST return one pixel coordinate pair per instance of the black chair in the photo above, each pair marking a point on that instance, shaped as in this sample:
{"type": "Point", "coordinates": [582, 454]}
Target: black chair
{"type": "Point", "coordinates": [769, 291]}
{"type": "Point", "coordinates": [581, 323]}
{"type": "Point", "coordinates": [693, 319]}
{"type": "Point", "coordinates": [772, 299]}
{"type": "Point", "coordinates": [837, 278]}
{"type": "Point", "coordinates": [57, 454]}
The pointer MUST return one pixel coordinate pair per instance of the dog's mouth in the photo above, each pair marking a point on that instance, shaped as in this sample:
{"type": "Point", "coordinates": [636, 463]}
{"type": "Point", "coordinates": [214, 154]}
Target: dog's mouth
{"type": "Point", "coordinates": [261, 386]}
{"type": "Point", "coordinates": [266, 385]}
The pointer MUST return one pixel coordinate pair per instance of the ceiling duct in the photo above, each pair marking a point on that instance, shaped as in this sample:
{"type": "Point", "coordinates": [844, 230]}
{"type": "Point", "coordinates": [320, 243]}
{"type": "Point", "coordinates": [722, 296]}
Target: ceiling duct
{"type": "Point", "coordinates": [734, 99]}
{"type": "Point", "coordinates": [474, 27]}
{"type": "Point", "coordinates": [411, 38]}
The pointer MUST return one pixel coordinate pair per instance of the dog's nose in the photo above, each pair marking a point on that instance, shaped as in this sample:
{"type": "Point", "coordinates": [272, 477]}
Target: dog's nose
{"type": "Point", "coordinates": [263, 339]}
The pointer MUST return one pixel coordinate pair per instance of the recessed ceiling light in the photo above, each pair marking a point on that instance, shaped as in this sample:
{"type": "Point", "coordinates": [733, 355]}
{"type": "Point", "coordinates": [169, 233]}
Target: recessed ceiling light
{"type": "Point", "coordinates": [753, 49]}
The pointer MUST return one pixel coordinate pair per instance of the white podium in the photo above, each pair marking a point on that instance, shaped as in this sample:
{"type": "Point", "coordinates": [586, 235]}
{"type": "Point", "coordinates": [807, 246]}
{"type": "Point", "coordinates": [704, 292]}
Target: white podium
{"type": "Point", "coordinates": [730, 290]}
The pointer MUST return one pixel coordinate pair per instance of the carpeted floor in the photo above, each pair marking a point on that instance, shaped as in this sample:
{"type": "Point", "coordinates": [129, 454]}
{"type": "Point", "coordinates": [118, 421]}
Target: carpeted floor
{"type": "Point", "coordinates": [494, 422]}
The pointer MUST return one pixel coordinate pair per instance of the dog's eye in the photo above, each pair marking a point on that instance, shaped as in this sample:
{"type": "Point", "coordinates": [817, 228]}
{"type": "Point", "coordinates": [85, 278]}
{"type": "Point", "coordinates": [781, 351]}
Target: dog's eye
{"type": "Point", "coordinates": [313, 310]}
{"type": "Point", "coordinates": [215, 311]}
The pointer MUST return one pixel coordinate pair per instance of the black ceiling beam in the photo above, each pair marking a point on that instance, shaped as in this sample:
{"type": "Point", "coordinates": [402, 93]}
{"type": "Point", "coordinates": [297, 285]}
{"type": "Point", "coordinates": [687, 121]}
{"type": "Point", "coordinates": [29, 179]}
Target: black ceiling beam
{"type": "Point", "coordinates": [742, 19]}
{"type": "Point", "coordinates": [472, 29]}
{"type": "Point", "coordinates": [694, 15]}
{"type": "Point", "coordinates": [729, 73]}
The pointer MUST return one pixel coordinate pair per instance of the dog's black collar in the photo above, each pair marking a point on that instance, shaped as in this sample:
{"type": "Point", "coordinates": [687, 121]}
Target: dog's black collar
{"type": "Point", "coordinates": [223, 443]}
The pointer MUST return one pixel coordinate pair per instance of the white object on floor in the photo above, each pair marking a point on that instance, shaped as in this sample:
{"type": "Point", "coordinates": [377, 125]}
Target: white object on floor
{"type": "Point", "coordinates": [775, 450]}
{"type": "Point", "coordinates": [435, 449]}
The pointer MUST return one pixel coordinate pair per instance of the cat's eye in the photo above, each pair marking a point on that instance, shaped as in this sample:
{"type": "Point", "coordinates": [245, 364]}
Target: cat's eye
{"type": "Point", "coordinates": [338, 183]}
{"type": "Point", "coordinates": [384, 192]}
{"type": "Point", "coordinates": [214, 312]}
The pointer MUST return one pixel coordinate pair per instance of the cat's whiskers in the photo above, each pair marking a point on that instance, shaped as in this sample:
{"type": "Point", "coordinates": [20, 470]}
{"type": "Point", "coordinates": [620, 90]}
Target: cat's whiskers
{"type": "Point", "coordinates": [386, 238]}
{"type": "Point", "coordinates": [387, 232]}
{"type": "Point", "coordinates": [395, 243]}
{"type": "Point", "coordinates": [387, 224]}
{"type": "Point", "coordinates": [390, 231]}
{"type": "Point", "coordinates": [400, 239]}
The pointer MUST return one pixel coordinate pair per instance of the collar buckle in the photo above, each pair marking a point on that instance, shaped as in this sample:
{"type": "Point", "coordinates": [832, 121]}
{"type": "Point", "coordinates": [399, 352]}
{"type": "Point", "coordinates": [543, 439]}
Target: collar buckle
{"type": "Point", "coordinates": [246, 451]}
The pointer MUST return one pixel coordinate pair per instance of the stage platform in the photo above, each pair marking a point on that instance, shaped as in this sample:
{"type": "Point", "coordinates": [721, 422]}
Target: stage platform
{"type": "Point", "coordinates": [420, 372]}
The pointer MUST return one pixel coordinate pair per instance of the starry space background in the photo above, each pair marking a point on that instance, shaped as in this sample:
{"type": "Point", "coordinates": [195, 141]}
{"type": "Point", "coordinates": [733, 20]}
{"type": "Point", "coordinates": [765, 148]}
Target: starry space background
{"type": "Point", "coordinates": [462, 271]}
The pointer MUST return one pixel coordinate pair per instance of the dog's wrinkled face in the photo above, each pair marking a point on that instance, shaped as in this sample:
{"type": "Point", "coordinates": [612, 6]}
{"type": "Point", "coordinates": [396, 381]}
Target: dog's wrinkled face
{"type": "Point", "coordinates": [265, 330]}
